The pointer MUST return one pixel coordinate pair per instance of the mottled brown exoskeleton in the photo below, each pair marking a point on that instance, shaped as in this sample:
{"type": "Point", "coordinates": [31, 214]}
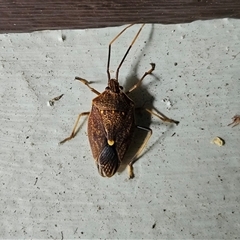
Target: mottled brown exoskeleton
{"type": "Point", "coordinates": [111, 121]}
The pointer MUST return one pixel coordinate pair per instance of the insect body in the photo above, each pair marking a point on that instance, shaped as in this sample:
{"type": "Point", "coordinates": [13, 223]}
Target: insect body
{"type": "Point", "coordinates": [111, 121]}
{"type": "Point", "coordinates": [111, 124]}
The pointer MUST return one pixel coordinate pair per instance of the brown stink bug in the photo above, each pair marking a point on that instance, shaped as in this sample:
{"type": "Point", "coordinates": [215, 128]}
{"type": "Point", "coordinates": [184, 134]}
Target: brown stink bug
{"type": "Point", "coordinates": [111, 121]}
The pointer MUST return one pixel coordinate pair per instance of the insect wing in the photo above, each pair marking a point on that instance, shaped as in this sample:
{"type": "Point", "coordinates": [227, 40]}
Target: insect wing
{"type": "Point", "coordinates": [108, 162]}
{"type": "Point", "coordinates": [96, 132]}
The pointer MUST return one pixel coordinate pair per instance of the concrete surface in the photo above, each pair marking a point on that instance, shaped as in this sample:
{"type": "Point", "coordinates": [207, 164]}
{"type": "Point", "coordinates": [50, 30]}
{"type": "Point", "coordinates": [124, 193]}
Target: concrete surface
{"type": "Point", "coordinates": [185, 186]}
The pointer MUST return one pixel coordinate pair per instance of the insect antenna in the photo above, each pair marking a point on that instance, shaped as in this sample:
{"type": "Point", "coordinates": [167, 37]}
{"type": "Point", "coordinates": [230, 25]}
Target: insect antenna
{"type": "Point", "coordinates": [109, 50]}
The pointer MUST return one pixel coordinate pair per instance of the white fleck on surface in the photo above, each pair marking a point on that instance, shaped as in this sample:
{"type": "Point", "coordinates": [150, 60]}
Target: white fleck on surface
{"type": "Point", "coordinates": [184, 188]}
{"type": "Point", "coordinates": [168, 103]}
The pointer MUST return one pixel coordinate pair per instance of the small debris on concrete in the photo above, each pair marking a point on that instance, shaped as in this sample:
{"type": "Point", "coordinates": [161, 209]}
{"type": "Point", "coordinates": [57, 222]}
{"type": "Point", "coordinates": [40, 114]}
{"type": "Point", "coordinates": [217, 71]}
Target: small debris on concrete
{"type": "Point", "coordinates": [52, 101]}
{"type": "Point", "coordinates": [218, 141]}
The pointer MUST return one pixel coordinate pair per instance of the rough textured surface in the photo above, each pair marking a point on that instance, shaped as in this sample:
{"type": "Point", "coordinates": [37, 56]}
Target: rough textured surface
{"type": "Point", "coordinates": [185, 187]}
{"type": "Point", "coordinates": [25, 16]}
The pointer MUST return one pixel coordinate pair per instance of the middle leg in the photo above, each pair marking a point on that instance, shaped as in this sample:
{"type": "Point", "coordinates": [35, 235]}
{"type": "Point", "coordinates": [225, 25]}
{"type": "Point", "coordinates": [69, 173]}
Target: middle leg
{"type": "Point", "coordinates": [75, 128]}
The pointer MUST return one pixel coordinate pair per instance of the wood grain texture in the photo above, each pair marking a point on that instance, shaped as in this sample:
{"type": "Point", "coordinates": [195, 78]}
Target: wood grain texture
{"type": "Point", "coordinates": [25, 16]}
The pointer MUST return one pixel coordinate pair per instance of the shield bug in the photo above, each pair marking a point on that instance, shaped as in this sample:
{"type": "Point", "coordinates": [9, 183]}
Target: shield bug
{"type": "Point", "coordinates": [111, 121]}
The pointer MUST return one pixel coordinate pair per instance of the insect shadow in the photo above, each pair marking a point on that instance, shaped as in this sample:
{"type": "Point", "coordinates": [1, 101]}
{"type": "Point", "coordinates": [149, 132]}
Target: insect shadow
{"type": "Point", "coordinates": [142, 99]}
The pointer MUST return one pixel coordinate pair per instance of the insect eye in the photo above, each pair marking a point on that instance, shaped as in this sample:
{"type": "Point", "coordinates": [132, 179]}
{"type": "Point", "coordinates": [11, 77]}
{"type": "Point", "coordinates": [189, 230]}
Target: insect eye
{"type": "Point", "coordinates": [107, 88]}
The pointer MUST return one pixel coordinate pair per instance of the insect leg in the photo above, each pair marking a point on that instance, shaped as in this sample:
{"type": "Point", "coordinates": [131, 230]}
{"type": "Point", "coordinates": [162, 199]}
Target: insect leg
{"type": "Point", "coordinates": [75, 129]}
{"type": "Point", "coordinates": [136, 156]}
{"type": "Point", "coordinates": [84, 81]}
{"type": "Point", "coordinates": [162, 117]}
{"type": "Point", "coordinates": [236, 121]}
{"type": "Point", "coordinates": [144, 75]}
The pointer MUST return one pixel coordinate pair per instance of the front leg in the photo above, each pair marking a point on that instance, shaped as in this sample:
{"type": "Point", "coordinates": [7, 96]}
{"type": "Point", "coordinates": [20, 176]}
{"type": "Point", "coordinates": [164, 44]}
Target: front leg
{"type": "Point", "coordinates": [144, 75]}
{"type": "Point", "coordinates": [87, 83]}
